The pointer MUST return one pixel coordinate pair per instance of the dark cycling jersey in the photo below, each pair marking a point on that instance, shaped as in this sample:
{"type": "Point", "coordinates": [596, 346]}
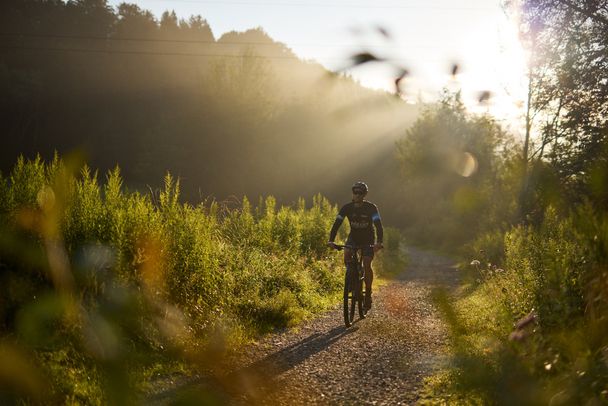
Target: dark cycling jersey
{"type": "Point", "coordinates": [360, 219]}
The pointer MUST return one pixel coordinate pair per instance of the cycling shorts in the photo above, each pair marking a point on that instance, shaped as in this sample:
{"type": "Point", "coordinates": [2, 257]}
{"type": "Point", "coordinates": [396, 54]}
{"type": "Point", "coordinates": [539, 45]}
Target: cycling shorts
{"type": "Point", "coordinates": [368, 250]}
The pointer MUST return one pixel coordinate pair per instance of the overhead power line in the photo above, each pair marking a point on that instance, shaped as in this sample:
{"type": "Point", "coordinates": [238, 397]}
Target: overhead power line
{"type": "Point", "coordinates": [133, 39]}
{"type": "Point", "coordinates": [151, 53]}
{"type": "Point", "coordinates": [188, 54]}
{"type": "Point", "coordinates": [192, 41]}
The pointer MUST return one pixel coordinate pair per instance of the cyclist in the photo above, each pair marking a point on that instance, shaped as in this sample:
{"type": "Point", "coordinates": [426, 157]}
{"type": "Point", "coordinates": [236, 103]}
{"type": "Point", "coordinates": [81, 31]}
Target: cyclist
{"type": "Point", "coordinates": [361, 215]}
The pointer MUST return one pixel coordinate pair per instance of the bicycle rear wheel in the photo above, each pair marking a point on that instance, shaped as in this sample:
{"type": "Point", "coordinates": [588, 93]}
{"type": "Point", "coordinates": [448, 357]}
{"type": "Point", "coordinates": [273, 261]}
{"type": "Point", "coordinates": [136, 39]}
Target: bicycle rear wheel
{"type": "Point", "coordinates": [360, 300]}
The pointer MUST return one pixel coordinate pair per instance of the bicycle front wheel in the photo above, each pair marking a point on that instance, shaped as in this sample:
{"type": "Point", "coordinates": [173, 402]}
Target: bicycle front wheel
{"type": "Point", "coordinates": [350, 297]}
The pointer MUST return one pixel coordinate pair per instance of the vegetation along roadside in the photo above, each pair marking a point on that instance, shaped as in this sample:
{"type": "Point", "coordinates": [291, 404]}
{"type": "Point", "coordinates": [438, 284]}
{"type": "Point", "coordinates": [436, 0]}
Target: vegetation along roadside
{"type": "Point", "coordinates": [103, 289]}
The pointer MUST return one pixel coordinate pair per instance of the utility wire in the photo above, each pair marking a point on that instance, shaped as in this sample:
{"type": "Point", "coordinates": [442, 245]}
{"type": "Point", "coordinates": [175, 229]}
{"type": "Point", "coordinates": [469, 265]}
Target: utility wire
{"type": "Point", "coordinates": [140, 39]}
{"type": "Point", "coordinates": [191, 54]}
{"type": "Point", "coordinates": [151, 53]}
{"type": "Point", "coordinates": [187, 41]}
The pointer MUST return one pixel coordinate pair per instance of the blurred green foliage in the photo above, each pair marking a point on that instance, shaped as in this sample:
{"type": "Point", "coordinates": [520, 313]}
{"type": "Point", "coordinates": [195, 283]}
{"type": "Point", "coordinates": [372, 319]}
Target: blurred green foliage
{"type": "Point", "coordinates": [99, 285]}
{"type": "Point", "coordinates": [459, 176]}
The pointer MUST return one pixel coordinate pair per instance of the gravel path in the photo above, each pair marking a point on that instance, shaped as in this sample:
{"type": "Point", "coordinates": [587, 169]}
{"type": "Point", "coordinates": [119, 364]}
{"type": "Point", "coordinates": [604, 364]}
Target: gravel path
{"type": "Point", "coordinates": [379, 360]}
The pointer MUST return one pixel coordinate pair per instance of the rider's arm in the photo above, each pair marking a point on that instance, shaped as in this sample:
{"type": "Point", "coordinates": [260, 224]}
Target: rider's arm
{"type": "Point", "coordinates": [337, 224]}
{"type": "Point", "coordinates": [378, 224]}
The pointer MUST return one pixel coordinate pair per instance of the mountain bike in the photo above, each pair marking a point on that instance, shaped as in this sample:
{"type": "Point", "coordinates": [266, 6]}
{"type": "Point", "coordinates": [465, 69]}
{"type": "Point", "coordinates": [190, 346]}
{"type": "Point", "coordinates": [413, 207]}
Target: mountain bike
{"type": "Point", "coordinates": [354, 293]}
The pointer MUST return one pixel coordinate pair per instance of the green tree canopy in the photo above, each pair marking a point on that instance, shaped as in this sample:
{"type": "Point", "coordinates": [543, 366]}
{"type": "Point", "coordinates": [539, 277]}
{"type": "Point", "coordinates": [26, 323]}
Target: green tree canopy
{"type": "Point", "coordinates": [453, 167]}
{"type": "Point", "coordinates": [568, 42]}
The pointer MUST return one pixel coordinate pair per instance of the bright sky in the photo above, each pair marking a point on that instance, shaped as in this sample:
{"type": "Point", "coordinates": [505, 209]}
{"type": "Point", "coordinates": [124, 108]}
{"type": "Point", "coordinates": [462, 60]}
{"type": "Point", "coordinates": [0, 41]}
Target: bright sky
{"type": "Point", "coordinates": [426, 36]}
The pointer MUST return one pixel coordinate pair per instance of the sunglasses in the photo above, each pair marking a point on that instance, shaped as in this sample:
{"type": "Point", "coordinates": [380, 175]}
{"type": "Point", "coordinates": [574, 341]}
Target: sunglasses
{"type": "Point", "coordinates": [358, 192]}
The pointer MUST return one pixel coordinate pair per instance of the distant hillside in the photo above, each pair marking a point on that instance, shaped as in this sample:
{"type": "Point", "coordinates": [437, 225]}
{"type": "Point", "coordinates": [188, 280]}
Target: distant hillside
{"type": "Point", "coordinates": [233, 116]}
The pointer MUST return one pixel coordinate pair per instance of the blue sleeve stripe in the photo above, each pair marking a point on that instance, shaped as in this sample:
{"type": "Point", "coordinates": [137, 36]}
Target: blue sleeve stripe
{"type": "Point", "coordinates": [339, 217]}
{"type": "Point", "coordinates": [375, 217]}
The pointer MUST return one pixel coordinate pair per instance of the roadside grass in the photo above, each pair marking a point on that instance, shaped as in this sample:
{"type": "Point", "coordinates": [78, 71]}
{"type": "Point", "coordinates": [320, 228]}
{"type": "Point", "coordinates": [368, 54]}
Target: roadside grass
{"type": "Point", "coordinates": [533, 332]}
{"type": "Point", "coordinates": [475, 349]}
{"type": "Point", "coordinates": [104, 289]}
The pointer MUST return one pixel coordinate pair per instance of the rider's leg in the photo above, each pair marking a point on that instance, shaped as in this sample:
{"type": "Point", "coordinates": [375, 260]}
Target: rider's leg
{"type": "Point", "coordinates": [369, 278]}
{"type": "Point", "coordinates": [348, 255]}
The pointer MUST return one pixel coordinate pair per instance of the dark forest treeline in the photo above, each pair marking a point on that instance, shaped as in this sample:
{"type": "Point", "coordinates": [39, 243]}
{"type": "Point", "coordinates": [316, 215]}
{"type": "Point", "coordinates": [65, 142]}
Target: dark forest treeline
{"type": "Point", "coordinates": [230, 116]}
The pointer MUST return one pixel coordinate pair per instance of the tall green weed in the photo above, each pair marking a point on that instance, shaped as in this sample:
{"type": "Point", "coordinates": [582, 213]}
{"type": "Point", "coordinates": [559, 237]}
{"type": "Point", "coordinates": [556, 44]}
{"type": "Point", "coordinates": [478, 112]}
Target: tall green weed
{"type": "Point", "coordinates": [100, 283]}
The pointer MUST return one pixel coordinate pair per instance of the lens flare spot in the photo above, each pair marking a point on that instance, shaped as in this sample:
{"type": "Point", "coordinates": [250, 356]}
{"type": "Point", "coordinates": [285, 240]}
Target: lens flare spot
{"type": "Point", "coordinates": [466, 165]}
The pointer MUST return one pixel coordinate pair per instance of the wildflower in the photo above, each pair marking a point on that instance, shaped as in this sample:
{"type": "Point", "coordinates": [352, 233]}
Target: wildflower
{"type": "Point", "coordinates": [522, 323]}
{"type": "Point", "coordinates": [518, 335]}
{"type": "Point", "coordinates": [475, 262]}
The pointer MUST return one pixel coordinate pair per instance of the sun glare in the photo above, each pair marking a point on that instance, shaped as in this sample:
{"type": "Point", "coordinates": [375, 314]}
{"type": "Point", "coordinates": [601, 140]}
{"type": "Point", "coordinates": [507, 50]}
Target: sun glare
{"type": "Point", "coordinates": [483, 59]}
{"type": "Point", "coordinates": [496, 65]}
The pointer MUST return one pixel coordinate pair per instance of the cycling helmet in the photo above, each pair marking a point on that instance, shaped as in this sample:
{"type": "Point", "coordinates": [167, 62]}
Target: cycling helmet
{"type": "Point", "coordinates": [360, 186]}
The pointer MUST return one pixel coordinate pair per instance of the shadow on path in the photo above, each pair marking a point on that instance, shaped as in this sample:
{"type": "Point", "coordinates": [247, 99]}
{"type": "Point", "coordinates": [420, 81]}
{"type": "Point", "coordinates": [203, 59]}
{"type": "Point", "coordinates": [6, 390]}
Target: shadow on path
{"type": "Point", "coordinates": [294, 354]}
{"type": "Point", "coordinates": [254, 382]}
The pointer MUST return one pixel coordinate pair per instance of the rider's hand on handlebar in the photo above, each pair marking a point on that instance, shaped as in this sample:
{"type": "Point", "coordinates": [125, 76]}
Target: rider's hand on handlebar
{"type": "Point", "coordinates": [378, 246]}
